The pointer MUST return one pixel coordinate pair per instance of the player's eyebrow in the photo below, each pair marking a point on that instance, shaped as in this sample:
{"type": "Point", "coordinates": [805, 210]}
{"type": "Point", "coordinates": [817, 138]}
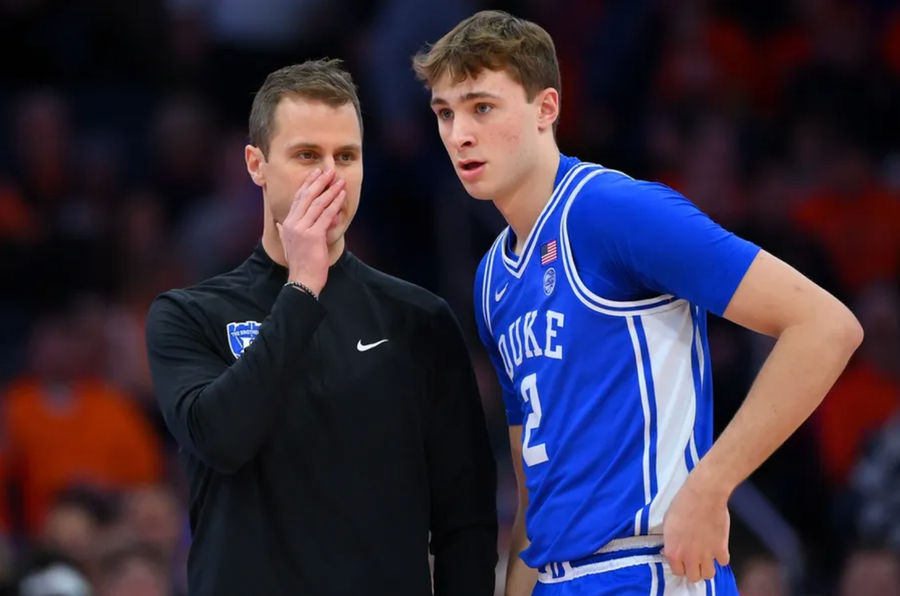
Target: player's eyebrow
{"type": "Point", "coordinates": [440, 101]}
{"type": "Point", "coordinates": [316, 147]}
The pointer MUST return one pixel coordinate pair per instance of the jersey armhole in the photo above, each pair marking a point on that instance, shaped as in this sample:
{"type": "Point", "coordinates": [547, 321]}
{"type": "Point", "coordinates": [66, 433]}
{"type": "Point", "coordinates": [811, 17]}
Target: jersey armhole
{"type": "Point", "coordinates": [587, 297]}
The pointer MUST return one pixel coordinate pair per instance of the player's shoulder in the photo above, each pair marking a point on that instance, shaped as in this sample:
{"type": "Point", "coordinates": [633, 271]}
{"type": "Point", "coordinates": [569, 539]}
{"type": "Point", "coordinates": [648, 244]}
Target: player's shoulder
{"type": "Point", "coordinates": [608, 192]}
{"type": "Point", "coordinates": [398, 292]}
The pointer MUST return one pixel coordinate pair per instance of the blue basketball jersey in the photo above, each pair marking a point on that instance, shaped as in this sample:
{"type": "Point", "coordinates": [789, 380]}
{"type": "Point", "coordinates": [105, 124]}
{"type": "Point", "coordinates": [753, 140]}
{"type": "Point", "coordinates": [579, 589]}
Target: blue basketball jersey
{"type": "Point", "coordinates": [597, 332]}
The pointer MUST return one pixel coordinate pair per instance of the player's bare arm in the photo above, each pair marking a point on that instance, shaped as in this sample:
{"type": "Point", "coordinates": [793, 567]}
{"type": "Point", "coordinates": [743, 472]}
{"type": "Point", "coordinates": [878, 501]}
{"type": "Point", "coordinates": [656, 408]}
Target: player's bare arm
{"type": "Point", "coordinates": [520, 578]}
{"type": "Point", "coordinates": [816, 335]}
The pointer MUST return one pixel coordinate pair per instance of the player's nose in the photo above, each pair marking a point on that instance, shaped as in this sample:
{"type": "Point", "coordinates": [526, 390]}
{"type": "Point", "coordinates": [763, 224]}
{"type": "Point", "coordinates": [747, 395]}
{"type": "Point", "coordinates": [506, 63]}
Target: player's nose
{"type": "Point", "coordinates": [462, 134]}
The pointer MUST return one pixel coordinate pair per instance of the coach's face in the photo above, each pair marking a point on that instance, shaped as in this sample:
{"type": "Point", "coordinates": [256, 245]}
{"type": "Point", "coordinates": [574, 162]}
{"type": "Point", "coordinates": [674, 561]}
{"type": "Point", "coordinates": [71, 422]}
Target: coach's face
{"type": "Point", "coordinates": [308, 134]}
{"type": "Point", "coordinates": [491, 132]}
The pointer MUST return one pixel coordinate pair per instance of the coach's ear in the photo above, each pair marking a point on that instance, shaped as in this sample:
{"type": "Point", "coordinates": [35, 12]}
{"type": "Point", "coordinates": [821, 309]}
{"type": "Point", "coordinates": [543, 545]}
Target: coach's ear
{"type": "Point", "coordinates": [255, 159]}
{"type": "Point", "coordinates": [547, 102]}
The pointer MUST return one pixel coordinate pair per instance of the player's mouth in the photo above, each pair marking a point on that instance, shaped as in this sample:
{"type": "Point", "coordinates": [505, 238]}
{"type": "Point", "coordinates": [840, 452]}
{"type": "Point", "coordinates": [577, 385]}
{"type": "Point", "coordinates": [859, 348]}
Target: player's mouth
{"type": "Point", "coordinates": [470, 169]}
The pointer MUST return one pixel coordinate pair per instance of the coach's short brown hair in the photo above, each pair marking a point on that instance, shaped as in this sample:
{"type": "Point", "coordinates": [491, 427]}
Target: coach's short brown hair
{"type": "Point", "coordinates": [323, 80]}
{"type": "Point", "coordinates": [493, 40]}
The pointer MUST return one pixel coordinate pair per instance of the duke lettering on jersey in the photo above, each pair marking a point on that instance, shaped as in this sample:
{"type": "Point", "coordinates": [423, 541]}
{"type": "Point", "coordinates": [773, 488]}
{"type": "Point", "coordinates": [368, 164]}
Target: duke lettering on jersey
{"type": "Point", "coordinates": [520, 342]}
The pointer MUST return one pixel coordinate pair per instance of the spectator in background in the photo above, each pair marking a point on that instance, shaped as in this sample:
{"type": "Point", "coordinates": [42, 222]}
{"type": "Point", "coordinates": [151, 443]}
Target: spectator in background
{"type": "Point", "coordinates": [74, 524]}
{"type": "Point", "coordinates": [47, 573]}
{"type": "Point", "coordinates": [762, 575]}
{"type": "Point", "coordinates": [66, 426]}
{"type": "Point", "coordinates": [220, 229]}
{"type": "Point", "coordinates": [868, 392]}
{"type": "Point", "coordinates": [154, 516]}
{"type": "Point", "coordinates": [876, 487]}
{"type": "Point", "coordinates": [138, 569]}
{"type": "Point", "coordinates": [870, 572]}
{"type": "Point", "coordinates": [855, 218]}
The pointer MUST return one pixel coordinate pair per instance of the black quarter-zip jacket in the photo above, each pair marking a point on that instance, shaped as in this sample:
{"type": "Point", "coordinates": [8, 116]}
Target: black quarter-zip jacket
{"type": "Point", "coordinates": [321, 458]}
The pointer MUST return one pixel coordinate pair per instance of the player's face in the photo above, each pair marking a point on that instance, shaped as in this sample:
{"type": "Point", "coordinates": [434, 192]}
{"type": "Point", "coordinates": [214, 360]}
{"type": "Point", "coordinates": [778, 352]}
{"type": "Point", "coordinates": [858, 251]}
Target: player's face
{"type": "Point", "coordinates": [309, 134]}
{"type": "Point", "coordinates": [489, 130]}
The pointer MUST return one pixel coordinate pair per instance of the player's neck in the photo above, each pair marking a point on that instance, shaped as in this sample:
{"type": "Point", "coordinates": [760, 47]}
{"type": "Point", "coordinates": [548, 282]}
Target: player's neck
{"type": "Point", "coordinates": [523, 205]}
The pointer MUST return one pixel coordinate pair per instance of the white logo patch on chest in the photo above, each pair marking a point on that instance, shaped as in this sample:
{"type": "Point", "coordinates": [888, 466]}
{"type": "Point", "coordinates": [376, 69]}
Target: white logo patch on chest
{"type": "Point", "coordinates": [549, 281]}
{"type": "Point", "coordinates": [241, 335]}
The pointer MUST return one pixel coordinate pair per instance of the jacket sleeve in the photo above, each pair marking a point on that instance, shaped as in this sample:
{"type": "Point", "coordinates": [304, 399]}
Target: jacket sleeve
{"type": "Point", "coordinates": [461, 470]}
{"type": "Point", "coordinates": [220, 411]}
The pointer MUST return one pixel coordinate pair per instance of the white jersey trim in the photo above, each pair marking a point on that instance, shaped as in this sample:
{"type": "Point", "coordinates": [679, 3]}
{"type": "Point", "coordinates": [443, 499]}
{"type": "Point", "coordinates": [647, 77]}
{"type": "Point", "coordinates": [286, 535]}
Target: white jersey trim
{"type": "Point", "coordinates": [597, 303]}
{"type": "Point", "coordinates": [487, 277]}
{"type": "Point", "coordinates": [645, 406]}
{"type": "Point", "coordinates": [669, 338]}
{"type": "Point", "coordinates": [518, 265]}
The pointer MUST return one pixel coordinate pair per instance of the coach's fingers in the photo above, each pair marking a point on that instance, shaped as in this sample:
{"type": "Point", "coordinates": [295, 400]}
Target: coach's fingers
{"type": "Point", "coordinates": [313, 186]}
{"type": "Point", "coordinates": [322, 224]}
{"type": "Point", "coordinates": [320, 203]}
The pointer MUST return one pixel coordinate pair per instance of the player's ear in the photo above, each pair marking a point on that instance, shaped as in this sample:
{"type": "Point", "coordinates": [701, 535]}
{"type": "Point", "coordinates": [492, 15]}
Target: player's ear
{"type": "Point", "coordinates": [254, 157]}
{"type": "Point", "coordinates": [548, 107]}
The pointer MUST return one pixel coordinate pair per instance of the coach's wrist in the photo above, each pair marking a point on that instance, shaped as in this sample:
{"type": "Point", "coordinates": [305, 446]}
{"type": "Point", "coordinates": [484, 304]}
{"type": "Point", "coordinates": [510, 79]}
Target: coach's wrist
{"type": "Point", "coordinates": [301, 287]}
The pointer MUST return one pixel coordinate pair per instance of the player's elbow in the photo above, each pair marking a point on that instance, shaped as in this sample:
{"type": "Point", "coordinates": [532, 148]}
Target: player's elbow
{"type": "Point", "coordinates": [843, 330]}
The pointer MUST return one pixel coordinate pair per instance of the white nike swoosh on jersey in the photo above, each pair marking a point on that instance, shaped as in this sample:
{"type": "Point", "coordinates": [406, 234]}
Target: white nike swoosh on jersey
{"type": "Point", "coordinates": [366, 347]}
{"type": "Point", "coordinates": [499, 295]}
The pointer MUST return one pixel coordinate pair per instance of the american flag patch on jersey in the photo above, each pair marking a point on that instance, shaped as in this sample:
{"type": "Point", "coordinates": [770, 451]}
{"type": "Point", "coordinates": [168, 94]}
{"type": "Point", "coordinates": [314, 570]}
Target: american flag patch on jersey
{"type": "Point", "coordinates": [548, 252]}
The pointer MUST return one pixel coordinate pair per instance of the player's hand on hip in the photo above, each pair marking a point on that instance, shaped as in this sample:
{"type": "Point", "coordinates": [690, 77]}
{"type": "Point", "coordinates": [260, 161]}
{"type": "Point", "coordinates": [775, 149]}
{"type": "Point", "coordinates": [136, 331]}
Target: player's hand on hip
{"type": "Point", "coordinates": [303, 232]}
{"type": "Point", "coordinates": [695, 530]}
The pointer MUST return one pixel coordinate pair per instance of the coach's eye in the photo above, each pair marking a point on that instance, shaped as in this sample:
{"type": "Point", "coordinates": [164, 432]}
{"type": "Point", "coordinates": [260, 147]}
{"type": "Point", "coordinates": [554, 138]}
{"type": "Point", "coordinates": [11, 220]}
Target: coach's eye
{"type": "Point", "coordinates": [345, 157]}
{"type": "Point", "coordinates": [483, 108]}
{"type": "Point", "coordinates": [306, 155]}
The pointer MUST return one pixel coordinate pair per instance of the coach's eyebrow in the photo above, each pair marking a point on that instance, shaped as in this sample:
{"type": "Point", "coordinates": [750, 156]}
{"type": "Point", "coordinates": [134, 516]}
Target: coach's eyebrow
{"type": "Point", "coordinates": [303, 145]}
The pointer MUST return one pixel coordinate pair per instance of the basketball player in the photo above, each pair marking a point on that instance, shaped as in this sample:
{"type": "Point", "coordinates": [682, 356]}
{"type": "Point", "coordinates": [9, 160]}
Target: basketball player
{"type": "Point", "coordinates": [592, 305]}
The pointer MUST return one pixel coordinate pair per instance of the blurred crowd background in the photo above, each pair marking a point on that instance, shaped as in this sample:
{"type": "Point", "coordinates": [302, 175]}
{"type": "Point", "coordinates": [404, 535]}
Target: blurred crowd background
{"type": "Point", "coordinates": [122, 126]}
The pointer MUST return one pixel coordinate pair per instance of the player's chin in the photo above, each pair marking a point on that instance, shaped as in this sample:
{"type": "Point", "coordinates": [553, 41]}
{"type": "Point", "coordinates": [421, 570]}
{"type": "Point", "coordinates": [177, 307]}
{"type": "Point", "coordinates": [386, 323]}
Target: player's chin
{"type": "Point", "coordinates": [476, 190]}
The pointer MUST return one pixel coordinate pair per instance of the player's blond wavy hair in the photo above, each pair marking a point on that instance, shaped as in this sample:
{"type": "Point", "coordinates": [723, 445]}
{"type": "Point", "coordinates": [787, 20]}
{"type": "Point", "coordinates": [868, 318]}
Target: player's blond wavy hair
{"type": "Point", "coordinates": [493, 40]}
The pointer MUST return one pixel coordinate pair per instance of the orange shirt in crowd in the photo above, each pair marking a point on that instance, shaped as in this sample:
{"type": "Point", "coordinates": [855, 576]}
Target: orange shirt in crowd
{"type": "Point", "coordinates": [861, 233]}
{"type": "Point", "coordinates": [860, 403]}
{"type": "Point", "coordinates": [90, 435]}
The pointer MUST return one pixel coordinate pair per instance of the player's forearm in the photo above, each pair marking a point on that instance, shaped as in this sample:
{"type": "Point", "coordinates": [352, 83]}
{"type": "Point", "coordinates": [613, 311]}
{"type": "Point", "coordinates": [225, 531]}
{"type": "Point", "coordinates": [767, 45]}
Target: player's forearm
{"type": "Point", "coordinates": [802, 367]}
{"type": "Point", "coordinates": [520, 579]}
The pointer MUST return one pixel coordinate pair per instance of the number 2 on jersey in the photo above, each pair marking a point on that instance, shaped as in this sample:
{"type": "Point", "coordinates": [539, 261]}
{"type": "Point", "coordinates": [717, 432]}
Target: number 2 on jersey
{"type": "Point", "coordinates": [532, 454]}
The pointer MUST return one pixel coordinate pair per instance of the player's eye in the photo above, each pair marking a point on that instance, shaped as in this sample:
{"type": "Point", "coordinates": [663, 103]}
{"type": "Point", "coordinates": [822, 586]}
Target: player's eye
{"type": "Point", "coordinates": [445, 114]}
{"type": "Point", "coordinates": [306, 155]}
{"type": "Point", "coordinates": [483, 108]}
{"type": "Point", "coordinates": [345, 157]}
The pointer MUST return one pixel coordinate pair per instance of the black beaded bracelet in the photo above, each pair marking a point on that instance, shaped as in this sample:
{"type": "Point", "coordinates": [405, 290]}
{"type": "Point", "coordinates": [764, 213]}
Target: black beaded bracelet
{"type": "Point", "coordinates": [299, 286]}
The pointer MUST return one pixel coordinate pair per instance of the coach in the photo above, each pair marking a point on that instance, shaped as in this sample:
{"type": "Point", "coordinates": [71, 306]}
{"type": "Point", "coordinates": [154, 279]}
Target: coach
{"type": "Point", "coordinates": [327, 414]}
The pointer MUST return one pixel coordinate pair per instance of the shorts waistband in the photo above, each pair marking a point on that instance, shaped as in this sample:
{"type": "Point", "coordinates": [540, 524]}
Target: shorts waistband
{"type": "Point", "coordinates": [616, 554]}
